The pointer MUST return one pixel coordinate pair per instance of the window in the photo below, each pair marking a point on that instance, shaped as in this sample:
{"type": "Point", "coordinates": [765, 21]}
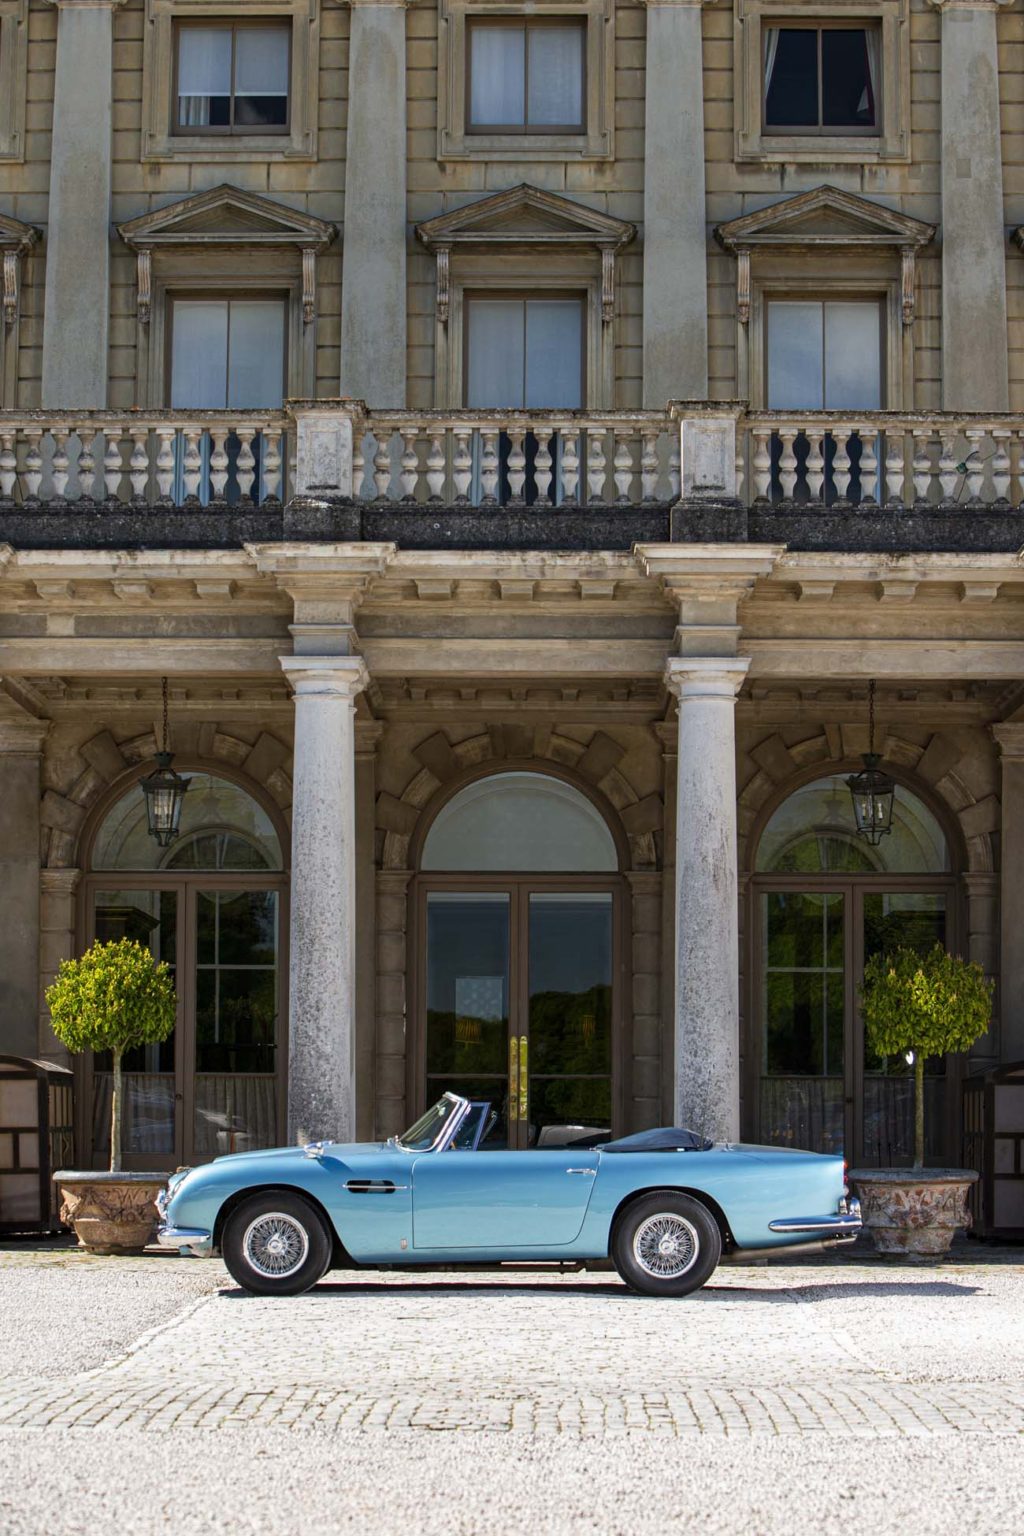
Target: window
{"type": "Point", "coordinates": [227, 353]}
{"type": "Point", "coordinates": [519, 821]}
{"type": "Point", "coordinates": [828, 82]}
{"type": "Point", "coordinates": [526, 77]}
{"type": "Point", "coordinates": [824, 355]}
{"type": "Point", "coordinates": [524, 352]}
{"type": "Point", "coordinates": [822, 79]}
{"type": "Point", "coordinates": [507, 69]}
{"type": "Point", "coordinates": [232, 78]}
{"type": "Point", "coordinates": [13, 77]}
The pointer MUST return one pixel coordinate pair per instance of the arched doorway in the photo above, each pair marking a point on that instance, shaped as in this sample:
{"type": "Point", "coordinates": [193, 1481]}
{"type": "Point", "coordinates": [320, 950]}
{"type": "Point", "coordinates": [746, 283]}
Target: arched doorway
{"type": "Point", "coordinates": [212, 906]}
{"type": "Point", "coordinates": [518, 958]}
{"type": "Point", "coordinates": [823, 902]}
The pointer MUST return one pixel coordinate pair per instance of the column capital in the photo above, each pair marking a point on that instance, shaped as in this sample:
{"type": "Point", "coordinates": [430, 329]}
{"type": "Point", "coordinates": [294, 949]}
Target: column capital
{"type": "Point", "coordinates": [693, 5]}
{"type": "Point", "coordinates": [86, 5]}
{"type": "Point", "coordinates": [705, 677]}
{"type": "Point", "coordinates": [330, 677]}
{"type": "Point", "coordinates": [59, 882]}
{"type": "Point", "coordinates": [969, 5]}
{"type": "Point", "coordinates": [1009, 737]}
{"type": "Point", "coordinates": [24, 737]}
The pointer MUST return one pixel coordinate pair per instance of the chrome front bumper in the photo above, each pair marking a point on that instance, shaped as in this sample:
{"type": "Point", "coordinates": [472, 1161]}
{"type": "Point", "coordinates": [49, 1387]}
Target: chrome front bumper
{"type": "Point", "coordinates": [843, 1224]}
{"type": "Point", "coordinates": [194, 1240]}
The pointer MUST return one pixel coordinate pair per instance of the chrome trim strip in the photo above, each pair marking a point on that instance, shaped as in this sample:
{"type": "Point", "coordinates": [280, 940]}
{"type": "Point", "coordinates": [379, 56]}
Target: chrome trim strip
{"type": "Point", "coordinates": [373, 1187]}
{"type": "Point", "coordinates": [195, 1239]}
{"type": "Point", "coordinates": [591, 1171]}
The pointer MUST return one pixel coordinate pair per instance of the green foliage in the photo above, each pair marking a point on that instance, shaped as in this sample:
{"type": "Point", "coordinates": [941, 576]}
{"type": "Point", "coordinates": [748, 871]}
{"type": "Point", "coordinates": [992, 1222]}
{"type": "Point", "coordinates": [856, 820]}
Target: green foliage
{"type": "Point", "coordinates": [929, 1004]}
{"type": "Point", "coordinates": [114, 998]}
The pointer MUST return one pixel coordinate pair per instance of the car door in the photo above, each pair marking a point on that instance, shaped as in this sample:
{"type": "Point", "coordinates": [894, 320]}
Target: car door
{"type": "Point", "coordinates": [501, 1201]}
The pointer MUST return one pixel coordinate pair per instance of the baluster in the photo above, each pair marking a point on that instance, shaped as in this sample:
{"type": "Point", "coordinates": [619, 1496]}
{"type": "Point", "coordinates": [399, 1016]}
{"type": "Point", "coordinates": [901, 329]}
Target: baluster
{"type": "Point", "coordinates": [8, 465]}
{"type": "Point", "coordinates": [86, 462]}
{"type": "Point", "coordinates": [165, 464]}
{"type": "Point", "coordinates": [570, 465]}
{"type": "Point", "coordinates": [762, 464]}
{"type": "Point", "coordinates": [409, 474]}
{"type": "Point", "coordinates": [542, 464]}
{"type": "Point", "coordinates": [815, 464]}
{"type": "Point", "coordinates": [894, 470]}
{"type": "Point", "coordinates": [623, 465]}
{"type": "Point", "coordinates": [113, 463]}
{"type": "Point", "coordinates": [841, 462]}
{"type": "Point", "coordinates": [358, 468]}
{"type": "Point", "coordinates": [218, 464]}
{"type": "Point", "coordinates": [516, 465]}
{"type": "Point", "coordinates": [32, 474]}
{"type": "Point", "coordinates": [1001, 465]}
{"type": "Point", "coordinates": [649, 466]}
{"type": "Point", "coordinates": [462, 464]}
{"type": "Point", "coordinates": [974, 464]}
{"type": "Point", "coordinates": [382, 468]}
{"type": "Point", "coordinates": [787, 462]}
{"type": "Point", "coordinates": [675, 464]}
{"type": "Point", "coordinates": [739, 466]}
{"type": "Point", "coordinates": [192, 463]}
{"type": "Point", "coordinates": [138, 465]}
{"type": "Point", "coordinates": [246, 463]}
{"type": "Point", "coordinates": [595, 465]}
{"type": "Point", "coordinates": [921, 469]}
{"type": "Point", "coordinates": [868, 465]}
{"type": "Point", "coordinates": [59, 464]}
{"type": "Point", "coordinates": [271, 444]}
{"type": "Point", "coordinates": [489, 466]}
{"type": "Point", "coordinates": [948, 467]}
{"type": "Point", "coordinates": [436, 466]}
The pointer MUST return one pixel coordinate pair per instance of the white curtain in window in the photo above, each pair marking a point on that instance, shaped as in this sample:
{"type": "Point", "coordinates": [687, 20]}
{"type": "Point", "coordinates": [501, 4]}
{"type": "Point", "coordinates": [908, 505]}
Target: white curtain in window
{"type": "Point", "coordinates": [495, 352]}
{"type": "Point", "coordinates": [199, 353]}
{"type": "Point", "coordinates": [554, 353]}
{"type": "Point", "coordinates": [556, 75]}
{"type": "Point", "coordinates": [204, 70]}
{"type": "Point", "coordinates": [256, 353]}
{"type": "Point", "coordinates": [497, 63]}
{"type": "Point", "coordinates": [853, 357]}
{"type": "Point", "coordinates": [795, 356]}
{"type": "Point", "coordinates": [771, 48]}
{"type": "Point", "coordinates": [261, 61]}
{"type": "Point", "coordinates": [869, 96]}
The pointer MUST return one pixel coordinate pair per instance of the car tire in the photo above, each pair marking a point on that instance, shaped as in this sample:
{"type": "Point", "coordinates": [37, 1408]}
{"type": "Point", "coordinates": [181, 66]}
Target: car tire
{"type": "Point", "coordinates": [276, 1244]}
{"type": "Point", "coordinates": [666, 1245]}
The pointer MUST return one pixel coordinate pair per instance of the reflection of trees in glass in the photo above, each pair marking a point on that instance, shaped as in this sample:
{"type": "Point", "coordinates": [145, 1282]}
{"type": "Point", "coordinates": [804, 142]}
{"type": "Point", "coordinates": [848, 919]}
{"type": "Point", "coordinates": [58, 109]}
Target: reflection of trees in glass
{"type": "Point", "coordinates": [570, 1101]}
{"type": "Point", "coordinates": [571, 1031]}
{"type": "Point", "coordinates": [465, 1042]}
{"type": "Point", "coordinates": [236, 1023]}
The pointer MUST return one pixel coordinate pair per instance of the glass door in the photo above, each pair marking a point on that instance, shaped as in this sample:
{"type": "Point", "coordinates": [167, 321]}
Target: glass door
{"type": "Point", "coordinates": [519, 1007]}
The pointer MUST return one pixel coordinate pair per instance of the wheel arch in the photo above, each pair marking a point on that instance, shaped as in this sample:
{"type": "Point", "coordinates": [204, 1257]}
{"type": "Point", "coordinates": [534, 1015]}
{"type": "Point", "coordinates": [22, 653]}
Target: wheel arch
{"type": "Point", "coordinates": [340, 1257]}
{"type": "Point", "coordinates": [700, 1195]}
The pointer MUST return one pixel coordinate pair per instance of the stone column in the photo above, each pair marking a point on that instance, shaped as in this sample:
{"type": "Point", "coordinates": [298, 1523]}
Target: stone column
{"type": "Point", "coordinates": [707, 1095]}
{"type": "Point", "coordinates": [21, 745]}
{"type": "Point", "coordinates": [322, 990]}
{"type": "Point", "coordinates": [373, 296]}
{"type": "Point", "coordinates": [974, 329]}
{"type": "Point", "coordinates": [675, 213]}
{"type": "Point", "coordinates": [77, 300]}
{"type": "Point", "coordinates": [1011, 893]}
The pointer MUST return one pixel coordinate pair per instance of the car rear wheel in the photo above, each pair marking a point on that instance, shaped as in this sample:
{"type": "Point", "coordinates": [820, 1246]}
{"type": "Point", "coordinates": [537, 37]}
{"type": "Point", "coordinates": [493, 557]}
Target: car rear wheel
{"type": "Point", "coordinates": [276, 1244]}
{"type": "Point", "coordinates": [666, 1245]}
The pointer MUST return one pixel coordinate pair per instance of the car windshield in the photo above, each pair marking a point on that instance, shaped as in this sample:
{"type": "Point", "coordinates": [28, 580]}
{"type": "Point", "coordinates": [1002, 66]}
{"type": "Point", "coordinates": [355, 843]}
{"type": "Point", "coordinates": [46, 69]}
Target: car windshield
{"type": "Point", "coordinates": [427, 1129]}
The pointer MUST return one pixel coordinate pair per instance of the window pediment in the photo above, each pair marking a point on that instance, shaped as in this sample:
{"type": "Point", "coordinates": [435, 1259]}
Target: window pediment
{"type": "Point", "coordinates": [525, 217]}
{"type": "Point", "coordinates": [824, 219]}
{"type": "Point", "coordinates": [226, 216]}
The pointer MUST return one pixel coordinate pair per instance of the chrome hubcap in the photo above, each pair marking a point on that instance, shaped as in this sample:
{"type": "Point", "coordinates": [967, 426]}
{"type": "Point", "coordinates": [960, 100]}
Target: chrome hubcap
{"type": "Point", "coordinates": [275, 1245]}
{"type": "Point", "coordinates": [666, 1246]}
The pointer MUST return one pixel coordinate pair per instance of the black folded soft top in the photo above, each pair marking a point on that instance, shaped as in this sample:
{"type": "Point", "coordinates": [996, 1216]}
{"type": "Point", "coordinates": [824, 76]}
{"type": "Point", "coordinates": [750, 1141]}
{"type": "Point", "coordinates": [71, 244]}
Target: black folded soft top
{"type": "Point", "coordinates": [666, 1138]}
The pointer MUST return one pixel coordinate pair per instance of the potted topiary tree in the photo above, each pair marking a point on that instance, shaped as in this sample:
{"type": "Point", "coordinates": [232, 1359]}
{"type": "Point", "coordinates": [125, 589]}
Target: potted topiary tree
{"type": "Point", "coordinates": [919, 1005]}
{"type": "Point", "coordinates": [114, 998]}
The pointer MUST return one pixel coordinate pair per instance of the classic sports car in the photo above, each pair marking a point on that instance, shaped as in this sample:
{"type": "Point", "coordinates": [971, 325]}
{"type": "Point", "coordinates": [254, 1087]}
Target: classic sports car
{"type": "Point", "coordinates": [663, 1205]}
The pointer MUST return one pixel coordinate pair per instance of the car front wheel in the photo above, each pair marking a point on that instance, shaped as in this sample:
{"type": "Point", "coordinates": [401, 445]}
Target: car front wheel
{"type": "Point", "coordinates": [276, 1244]}
{"type": "Point", "coordinates": [666, 1245]}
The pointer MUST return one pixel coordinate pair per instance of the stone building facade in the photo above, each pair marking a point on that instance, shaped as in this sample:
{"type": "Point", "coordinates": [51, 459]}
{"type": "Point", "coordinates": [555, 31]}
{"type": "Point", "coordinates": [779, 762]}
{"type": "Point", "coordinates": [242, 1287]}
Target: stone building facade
{"type": "Point", "coordinates": [525, 438]}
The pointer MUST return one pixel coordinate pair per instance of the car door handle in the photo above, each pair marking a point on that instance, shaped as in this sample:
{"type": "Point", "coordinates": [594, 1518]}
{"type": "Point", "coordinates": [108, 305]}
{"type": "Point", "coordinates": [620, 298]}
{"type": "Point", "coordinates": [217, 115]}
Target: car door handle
{"type": "Point", "coordinates": [373, 1187]}
{"type": "Point", "coordinates": [592, 1171]}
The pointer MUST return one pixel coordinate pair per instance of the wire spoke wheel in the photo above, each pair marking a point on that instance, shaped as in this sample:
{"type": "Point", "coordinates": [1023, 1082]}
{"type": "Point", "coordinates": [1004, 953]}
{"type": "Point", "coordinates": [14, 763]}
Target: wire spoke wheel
{"type": "Point", "coordinates": [666, 1245]}
{"type": "Point", "coordinates": [275, 1245]}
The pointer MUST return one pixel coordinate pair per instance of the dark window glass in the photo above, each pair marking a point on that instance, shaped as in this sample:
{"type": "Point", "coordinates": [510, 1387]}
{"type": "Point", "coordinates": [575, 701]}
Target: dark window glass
{"type": "Point", "coordinates": [792, 79]}
{"type": "Point", "coordinates": [847, 91]}
{"type": "Point", "coordinates": [820, 78]}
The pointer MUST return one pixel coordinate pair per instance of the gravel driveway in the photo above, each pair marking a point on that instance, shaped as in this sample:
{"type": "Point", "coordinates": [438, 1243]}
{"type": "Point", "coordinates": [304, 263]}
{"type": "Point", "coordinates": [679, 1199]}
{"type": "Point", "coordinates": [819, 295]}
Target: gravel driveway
{"type": "Point", "coordinates": [150, 1394]}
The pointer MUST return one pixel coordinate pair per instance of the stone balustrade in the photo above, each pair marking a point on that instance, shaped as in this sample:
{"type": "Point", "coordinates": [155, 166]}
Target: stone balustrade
{"type": "Point", "coordinates": [696, 452]}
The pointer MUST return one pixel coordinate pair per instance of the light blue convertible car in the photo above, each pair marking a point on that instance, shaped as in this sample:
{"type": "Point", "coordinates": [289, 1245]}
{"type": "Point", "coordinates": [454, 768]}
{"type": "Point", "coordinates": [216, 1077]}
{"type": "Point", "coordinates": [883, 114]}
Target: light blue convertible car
{"type": "Point", "coordinates": [662, 1205]}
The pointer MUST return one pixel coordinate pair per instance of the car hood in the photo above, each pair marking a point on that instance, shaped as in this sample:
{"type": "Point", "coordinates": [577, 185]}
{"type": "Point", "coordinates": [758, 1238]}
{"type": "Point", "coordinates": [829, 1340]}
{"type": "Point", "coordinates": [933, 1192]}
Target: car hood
{"type": "Point", "coordinates": [338, 1149]}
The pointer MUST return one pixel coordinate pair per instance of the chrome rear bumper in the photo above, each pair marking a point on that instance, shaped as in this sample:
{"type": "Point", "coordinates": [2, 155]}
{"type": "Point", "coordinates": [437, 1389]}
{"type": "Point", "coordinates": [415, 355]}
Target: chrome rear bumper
{"type": "Point", "coordinates": [842, 1224]}
{"type": "Point", "coordinates": [194, 1240]}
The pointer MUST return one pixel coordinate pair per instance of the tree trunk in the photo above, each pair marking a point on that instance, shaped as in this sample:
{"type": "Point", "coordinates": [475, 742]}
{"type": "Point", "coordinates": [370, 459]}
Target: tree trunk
{"type": "Point", "coordinates": [115, 1117]}
{"type": "Point", "coordinates": [918, 1109]}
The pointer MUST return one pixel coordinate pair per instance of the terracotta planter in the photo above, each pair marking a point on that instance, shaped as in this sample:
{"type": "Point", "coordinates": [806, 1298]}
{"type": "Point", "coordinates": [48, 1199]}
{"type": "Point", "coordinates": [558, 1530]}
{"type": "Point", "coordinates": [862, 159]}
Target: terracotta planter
{"type": "Point", "coordinates": [913, 1211]}
{"type": "Point", "coordinates": [110, 1212]}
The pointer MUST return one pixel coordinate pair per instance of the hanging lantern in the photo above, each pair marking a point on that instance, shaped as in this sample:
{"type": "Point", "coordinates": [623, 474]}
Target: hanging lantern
{"type": "Point", "coordinates": [872, 788]}
{"type": "Point", "coordinates": [164, 791]}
